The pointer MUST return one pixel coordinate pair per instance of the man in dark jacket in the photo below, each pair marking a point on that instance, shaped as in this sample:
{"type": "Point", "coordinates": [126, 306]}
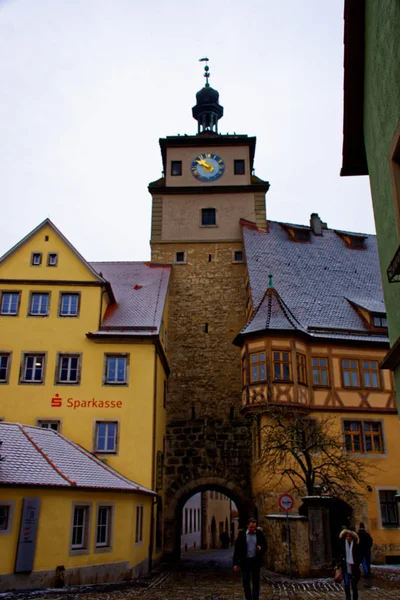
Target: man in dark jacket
{"type": "Point", "coordinates": [250, 548]}
{"type": "Point", "coordinates": [366, 543]}
{"type": "Point", "coordinates": [350, 558]}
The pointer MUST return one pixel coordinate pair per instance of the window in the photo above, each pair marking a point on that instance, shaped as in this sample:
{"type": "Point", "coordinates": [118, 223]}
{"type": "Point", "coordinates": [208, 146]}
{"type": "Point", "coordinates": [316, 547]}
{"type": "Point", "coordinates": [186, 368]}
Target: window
{"type": "Point", "coordinates": [69, 305]}
{"type": "Point", "coordinates": [52, 260]}
{"type": "Point", "coordinates": [68, 369]}
{"type": "Point", "coordinates": [80, 528]}
{"type": "Point", "coordinates": [379, 321]}
{"type": "Point", "coordinates": [237, 256]}
{"type": "Point", "coordinates": [208, 216]}
{"type": "Point", "coordinates": [9, 303]}
{"type": "Point", "coordinates": [106, 436]}
{"type": "Point", "coordinates": [282, 367]}
{"type": "Point", "coordinates": [139, 524]}
{"type": "Point", "coordinates": [257, 367]}
{"type": "Point", "coordinates": [244, 379]}
{"type": "Point", "coordinates": [320, 371]}
{"type": "Point", "coordinates": [5, 360]}
{"type": "Point", "coordinates": [370, 374]}
{"type": "Point", "coordinates": [351, 375]}
{"type": "Point", "coordinates": [176, 168]}
{"type": "Point", "coordinates": [356, 242]}
{"type": "Point", "coordinates": [39, 304]}
{"type": "Point", "coordinates": [49, 424]}
{"type": "Point", "coordinates": [116, 370]}
{"type": "Point", "coordinates": [104, 526]}
{"type": "Point", "coordinates": [190, 520]}
{"type": "Point", "coordinates": [389, 514]}
{"type": "Point", "coordinates": [302, 235]}
{"type": "Point", "coordinates": [36, 259]}
{"type": "Point", "coordinates": [301, 369]}
{"type": "Point", "coordinates": [186, 520]}
{"type": "Point", "coordinates": [238, 167]}
{"type": "Point", "coordinates": [33, 368]}
{"type": "Point", "coordinates": [363, 437]}
{"type": "Point", "coordinates": [180, 258]}
{"type": "Point", "coordinates": [4, 516]}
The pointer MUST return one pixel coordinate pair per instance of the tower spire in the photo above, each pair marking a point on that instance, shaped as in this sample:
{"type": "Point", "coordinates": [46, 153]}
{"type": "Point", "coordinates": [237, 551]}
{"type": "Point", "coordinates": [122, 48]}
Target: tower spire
{"type": "Point", "coordinates": [207, 111]}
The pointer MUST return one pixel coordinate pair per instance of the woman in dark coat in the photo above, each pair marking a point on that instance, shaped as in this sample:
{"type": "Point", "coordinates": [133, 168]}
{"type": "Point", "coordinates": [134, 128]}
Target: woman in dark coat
{"type": "Point", "coordinates": [350, 558]}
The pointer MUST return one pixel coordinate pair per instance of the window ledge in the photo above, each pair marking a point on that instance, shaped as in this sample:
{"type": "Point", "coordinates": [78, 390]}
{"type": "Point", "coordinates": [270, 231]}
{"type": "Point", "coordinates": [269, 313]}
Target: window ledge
{"type": "Point", "coordinates": [78, 551]}
{"type": "Point", "coordinates": [209, 226]}
{"type": "Point", "coordinates": [103, 549]}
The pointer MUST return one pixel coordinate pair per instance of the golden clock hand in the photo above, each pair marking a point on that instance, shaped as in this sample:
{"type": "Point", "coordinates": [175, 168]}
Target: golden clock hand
{"type": "Point", "coordinates": [205, 165]}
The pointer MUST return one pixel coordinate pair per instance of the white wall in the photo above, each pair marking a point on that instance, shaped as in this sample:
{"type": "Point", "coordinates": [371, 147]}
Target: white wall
{"type": "Point", "coordinates": [191, 523]}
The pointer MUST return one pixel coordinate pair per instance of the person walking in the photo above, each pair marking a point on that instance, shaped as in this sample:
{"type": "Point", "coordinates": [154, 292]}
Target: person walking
{"type": "Point", "coordinates": [366, 543]}
{"type": "Point", "coordinates": [350, 558]}
{"type": "Point", "coordinates": [250, 547]}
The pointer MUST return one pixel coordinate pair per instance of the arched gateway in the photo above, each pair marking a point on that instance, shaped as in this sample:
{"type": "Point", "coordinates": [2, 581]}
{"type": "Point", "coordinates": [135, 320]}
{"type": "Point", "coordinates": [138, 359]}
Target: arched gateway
{"type": "Point", "coordinates": [206, 188]}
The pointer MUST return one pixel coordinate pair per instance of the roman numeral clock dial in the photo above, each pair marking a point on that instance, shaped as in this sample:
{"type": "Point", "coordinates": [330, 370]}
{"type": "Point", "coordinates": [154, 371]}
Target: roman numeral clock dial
{"type": "Point", "coordinates": [208, 167]}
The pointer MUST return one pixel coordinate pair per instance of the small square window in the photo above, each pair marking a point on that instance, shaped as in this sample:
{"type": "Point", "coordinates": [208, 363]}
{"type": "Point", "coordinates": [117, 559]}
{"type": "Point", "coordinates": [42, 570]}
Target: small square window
{"type": "Point", "coordinates": [379, 321]}
{"type": "Point", "coordinates": [116, 370]}
{"type": "Point", "coordinates": [36, 259]}
{"type": "Point", "coordinates": [180, 257]}
{"type": "Point", "coordinates": [53, 424]}
{"type": "Point", "coordinates": [69, 305]}
{"type": "Point", "coordinates": [52, 260]}
{"type": "Point", "coordinates": [39, 305]}
{"type": "Point", "coordinates": [239, 168]}
{"type": "Point", "coordinates": [68, 370]}
{"type": "Point", "coordinates": [106, 437]}
{"type": "Point", "coordinates": [9, 303]}
{"type": "Point", "coordinates": [238, 256]}
{"type": "Point", "coordinates": [208, 216]}
{"type": "Point", "coordinates": [176, 168]}
{"type": "Point", "coordinates": [33, 368]}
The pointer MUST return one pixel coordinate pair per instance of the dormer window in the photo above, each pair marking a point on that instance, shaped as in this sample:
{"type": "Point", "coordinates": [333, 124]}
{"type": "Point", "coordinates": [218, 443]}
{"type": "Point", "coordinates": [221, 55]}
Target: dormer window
{"type": "Point", "coordinates": [352, 240]}
{"type": "Point", "coordinates": [379, 321]}
{"type": "Point", "coordinates": [297, 233]}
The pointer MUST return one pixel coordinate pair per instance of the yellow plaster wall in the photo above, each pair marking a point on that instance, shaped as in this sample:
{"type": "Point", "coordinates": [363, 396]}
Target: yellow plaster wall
{"type": "Point", "coordinates": [55, 524]}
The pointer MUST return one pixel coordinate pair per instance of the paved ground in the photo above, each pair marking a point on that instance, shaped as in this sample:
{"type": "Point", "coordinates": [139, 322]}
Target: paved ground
{"type": "Point", "coordinates": [209, 576]}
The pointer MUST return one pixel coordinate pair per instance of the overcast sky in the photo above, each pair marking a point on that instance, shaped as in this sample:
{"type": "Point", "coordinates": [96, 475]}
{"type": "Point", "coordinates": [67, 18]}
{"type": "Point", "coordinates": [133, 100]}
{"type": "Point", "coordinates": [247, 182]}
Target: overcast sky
{"type": "Point", "coordinates": [89, 86]}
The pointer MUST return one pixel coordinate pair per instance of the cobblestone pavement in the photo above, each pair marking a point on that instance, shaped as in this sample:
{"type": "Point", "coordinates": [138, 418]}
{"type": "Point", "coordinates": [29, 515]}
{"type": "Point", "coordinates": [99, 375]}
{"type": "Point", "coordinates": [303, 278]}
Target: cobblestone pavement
{"type": "Point", "coordinates": [209, 576]}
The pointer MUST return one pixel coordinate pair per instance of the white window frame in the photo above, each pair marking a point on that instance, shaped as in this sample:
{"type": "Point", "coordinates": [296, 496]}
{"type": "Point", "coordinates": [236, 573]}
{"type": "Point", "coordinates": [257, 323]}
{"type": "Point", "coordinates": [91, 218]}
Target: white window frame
{"type": "Point", "coordinates": [235, 261]}
{"type": "Point", "coordinates": [105, 546]}
{"type": "Point", "coordinates": [49, 259]}
{"type": "Point", "coordinates": [9, 313]}
{"type": "Point", "coordinates": [35, 356]}
{"type": "Point", "coordinates": [106, 380]}
{"type": "Point", "coordinates": [84, 547]}
{"type": "Point", "coordinates": [139, 524]}
{"type": "Point", "coordinates": [47, 424]}
{"type": "Point", "coordinates": [36, 259]}
{"type": "Point", "coordinates": [8, 366]}
{"type": "Point", "coordinates": [106, 422]}
{"type": "Point", "coordinates": [69, 313]}
{"type": "Point", "coordinates": [180, 262]}
{"type": "Point", "coordinates": [69, 357]}
{"type": "Point", "coordinates": [43, 295]}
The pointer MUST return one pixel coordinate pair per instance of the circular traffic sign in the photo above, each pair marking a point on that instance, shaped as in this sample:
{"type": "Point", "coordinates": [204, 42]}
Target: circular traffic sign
{"type": "Point", "coordinates": [286, 502]}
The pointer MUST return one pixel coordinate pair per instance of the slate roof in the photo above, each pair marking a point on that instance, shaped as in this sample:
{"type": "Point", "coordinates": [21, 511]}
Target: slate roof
{"type": "Point", "coordinates": [43, 457]}
{"type": "Point", "coordinates": [140, 290]}
{"type": "Point", "coordinates": [314, 281]}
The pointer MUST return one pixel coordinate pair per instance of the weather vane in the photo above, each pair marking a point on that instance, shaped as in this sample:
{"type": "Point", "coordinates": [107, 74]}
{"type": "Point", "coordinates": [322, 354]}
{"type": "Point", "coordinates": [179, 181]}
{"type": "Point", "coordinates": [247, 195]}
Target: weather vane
{"type": "Point", "coordinates": [206, 70]}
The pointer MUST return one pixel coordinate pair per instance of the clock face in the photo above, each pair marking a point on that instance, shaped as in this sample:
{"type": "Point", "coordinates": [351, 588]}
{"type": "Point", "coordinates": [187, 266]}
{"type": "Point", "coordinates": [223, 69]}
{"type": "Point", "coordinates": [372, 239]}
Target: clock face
{"type": "Point", "coordinates": [207, 167]}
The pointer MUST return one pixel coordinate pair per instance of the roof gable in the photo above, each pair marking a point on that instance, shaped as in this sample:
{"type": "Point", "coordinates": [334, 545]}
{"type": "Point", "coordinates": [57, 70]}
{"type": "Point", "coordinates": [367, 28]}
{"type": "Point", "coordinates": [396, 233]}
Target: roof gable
{"type": "Point", "coordinates": [44, 240]}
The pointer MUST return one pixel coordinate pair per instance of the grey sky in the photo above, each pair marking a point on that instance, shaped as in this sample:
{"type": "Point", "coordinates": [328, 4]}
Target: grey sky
{"type": "Point", "coordinates": [88, 87]}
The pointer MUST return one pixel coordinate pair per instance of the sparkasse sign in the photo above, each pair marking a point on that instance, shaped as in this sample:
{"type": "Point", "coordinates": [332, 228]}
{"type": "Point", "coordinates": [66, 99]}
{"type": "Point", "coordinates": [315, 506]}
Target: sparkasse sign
{"type": "Point", "coordinates": [75, 404]}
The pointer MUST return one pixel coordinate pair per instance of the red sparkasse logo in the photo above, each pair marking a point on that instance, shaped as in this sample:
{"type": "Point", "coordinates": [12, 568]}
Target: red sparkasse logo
{"type": "Point", "coordinates": [56, 402]}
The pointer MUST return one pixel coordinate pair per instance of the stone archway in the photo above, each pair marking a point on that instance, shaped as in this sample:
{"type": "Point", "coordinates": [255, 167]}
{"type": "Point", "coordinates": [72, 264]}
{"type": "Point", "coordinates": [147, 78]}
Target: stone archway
{"type": "Point", "coordinates": [173, 514]}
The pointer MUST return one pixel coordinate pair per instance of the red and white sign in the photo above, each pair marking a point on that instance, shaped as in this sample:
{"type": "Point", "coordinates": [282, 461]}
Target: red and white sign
{"type": "Point", "coordinates": [286, 502]}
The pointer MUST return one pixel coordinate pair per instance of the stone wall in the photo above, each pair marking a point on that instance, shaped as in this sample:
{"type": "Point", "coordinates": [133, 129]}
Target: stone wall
{"type": "Point", "coordinates": [277, 557]}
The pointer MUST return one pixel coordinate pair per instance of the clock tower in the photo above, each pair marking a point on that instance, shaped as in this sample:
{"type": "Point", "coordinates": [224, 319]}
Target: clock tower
{"type": "Point", "coordinates": [207, 186]}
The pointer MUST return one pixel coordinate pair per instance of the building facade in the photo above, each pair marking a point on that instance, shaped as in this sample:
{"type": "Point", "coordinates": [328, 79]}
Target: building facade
{"type": "Point", "coordinates": [371, 142]}
{"type": "Point", "coordinates": [83, 352]}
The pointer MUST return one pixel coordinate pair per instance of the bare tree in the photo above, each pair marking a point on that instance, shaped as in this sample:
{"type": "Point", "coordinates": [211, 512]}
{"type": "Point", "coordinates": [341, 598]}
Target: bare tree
{"type": "Point", "coordinates": [308, 453]}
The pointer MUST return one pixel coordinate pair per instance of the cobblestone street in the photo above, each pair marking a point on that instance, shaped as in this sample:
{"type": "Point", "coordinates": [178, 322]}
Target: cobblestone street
{"type": "Point", "coordinates": [209, 576]}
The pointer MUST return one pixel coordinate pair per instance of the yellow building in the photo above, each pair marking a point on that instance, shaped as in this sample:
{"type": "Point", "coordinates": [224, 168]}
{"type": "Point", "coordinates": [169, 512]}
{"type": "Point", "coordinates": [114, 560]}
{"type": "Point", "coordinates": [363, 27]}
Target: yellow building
{"type": "Point", "coordinates": [315, 335]}
{"type": "Point", "coordinates": [83, 351]}
{"type": "Point", "coordinates": [54, 490]}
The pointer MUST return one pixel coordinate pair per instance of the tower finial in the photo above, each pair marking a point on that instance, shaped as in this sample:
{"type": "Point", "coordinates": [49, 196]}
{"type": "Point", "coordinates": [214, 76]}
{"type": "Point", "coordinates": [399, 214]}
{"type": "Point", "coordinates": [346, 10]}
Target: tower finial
{"type": "Point", "coordinates": [270, 284]}
{"type": "Point", "coordinates": [206, 70]}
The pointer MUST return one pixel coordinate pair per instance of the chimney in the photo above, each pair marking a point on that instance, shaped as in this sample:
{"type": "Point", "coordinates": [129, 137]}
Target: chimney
{"type": "Point", "coordinates": [316, 224]}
